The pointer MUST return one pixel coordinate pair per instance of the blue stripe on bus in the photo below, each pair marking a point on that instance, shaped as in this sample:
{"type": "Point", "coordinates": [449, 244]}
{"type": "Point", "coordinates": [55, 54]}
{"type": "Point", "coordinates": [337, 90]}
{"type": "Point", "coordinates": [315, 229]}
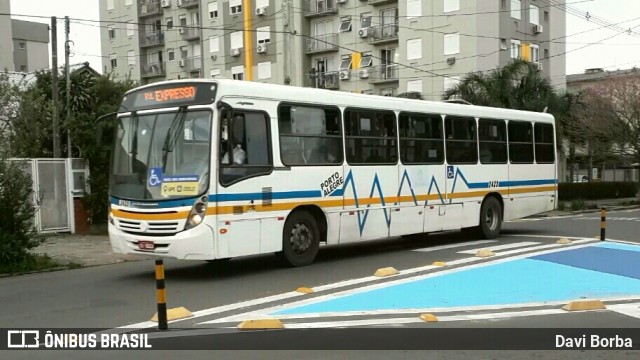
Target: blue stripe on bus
{"type": "Point", "coordinates": [278, 195]}
{"type": "Point", "coordinates": [155, 204]}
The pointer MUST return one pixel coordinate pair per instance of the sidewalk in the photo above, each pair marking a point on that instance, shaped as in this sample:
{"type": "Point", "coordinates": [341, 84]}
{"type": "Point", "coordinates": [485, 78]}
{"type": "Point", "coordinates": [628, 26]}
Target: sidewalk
{"type": "Point", "coordinates": [93, 250]}
{"type": "Point", "coordinates": [593, 206]}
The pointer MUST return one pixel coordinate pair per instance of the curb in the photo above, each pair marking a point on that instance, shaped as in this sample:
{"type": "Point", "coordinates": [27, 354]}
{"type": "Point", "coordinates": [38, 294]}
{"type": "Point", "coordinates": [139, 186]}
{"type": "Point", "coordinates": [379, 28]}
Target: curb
{"type": "Point", "coordinates": [58, 268]}
{"type": "Point", "coordinates": [588, 211]}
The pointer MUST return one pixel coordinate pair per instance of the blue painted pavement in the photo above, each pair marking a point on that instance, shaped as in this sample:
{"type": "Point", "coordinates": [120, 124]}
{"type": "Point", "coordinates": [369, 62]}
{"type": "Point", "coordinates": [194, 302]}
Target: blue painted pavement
{"type": "Point", "coordinates": [605, 270]}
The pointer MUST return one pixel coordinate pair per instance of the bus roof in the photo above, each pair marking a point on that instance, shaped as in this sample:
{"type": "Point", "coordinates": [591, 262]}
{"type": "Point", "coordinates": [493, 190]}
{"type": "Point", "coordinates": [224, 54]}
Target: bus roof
{"type": "Point", "coordinates": [249, 89]}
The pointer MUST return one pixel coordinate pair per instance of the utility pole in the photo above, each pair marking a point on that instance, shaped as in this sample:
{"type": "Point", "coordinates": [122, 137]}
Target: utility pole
{"type": "Point", "coordinates": [54, 86]}
{"type": "Point", "coordinates": [68, 83]}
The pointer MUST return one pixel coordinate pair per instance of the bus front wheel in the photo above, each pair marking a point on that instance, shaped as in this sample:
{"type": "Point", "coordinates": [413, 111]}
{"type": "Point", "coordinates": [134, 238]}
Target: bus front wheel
{"type": "Point", "coordinates": [300, 239]}
{"type": "Point", "coordinates": [490, 218]}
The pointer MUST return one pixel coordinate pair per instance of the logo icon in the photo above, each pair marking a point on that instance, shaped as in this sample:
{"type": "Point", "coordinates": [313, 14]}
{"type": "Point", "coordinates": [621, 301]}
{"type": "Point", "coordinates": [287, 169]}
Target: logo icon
{"type": "Point", "coordinates": [450, 172]}
{"type": "Point", "coordinates": [20, 339]}
{"type": "Point", "coordinates": [155, 177]}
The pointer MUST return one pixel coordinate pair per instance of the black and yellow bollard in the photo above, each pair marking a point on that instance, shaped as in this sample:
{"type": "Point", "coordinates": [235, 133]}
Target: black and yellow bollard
{"type": "Point", "coordinates": [161, 296]}
{"type": "Point", "coordinates": [603, 223]}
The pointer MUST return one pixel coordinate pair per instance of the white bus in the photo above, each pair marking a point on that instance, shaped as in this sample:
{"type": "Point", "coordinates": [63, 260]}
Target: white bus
{"type": "Point", "coordinates": [215, 169]}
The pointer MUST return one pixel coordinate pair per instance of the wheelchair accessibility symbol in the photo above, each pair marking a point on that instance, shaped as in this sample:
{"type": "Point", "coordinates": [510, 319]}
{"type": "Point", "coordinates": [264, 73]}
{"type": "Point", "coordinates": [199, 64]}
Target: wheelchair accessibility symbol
{"type": "Point", "coordinates": [155, 177]}
{"type": "Point", "coordinates": [450, 172]}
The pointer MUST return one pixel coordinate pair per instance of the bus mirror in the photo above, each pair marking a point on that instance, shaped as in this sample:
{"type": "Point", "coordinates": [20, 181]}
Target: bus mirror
{"type": "Point", "coordinates": [100, 118]}
{"type": "Point", "coordinates": [224, 105]}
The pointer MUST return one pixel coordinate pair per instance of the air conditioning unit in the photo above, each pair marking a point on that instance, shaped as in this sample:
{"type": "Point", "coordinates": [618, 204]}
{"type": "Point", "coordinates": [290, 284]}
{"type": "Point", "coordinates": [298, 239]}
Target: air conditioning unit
{"type": "Point", "coordinates": [165, 3]}
{"type": "Point", "coordinates": [181, 63]}
{"type": "Point", "coordinates": [363, 33]}
{"type": "Point", "coordinates": [262, 48]}
{"type": "Point", "coordinates": [538, 66]}
{"type": "Point", "coordinates": [537, 29]}
{"type": "Point", "coordinates": [181, 30]}
{"type": "Point", "coordinates": [363, 73]}
{"type": "Point", "coordinates": [344, 74]}
{"type": "Point", "coordinates": [179, 3]}
{"type": "Point", "coordinates": [261, 11]}
{"type": "Point", "coordinates": [235, 52]}
{"type": "Point", "coordinates": [451, 60]}
{"type": "Point", "coordinates": [214, 57]}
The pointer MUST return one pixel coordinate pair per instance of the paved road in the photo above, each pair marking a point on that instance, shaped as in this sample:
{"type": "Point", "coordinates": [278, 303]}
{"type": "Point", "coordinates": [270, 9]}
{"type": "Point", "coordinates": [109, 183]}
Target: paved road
{"type": "Point", "coordinates": [119, 295]}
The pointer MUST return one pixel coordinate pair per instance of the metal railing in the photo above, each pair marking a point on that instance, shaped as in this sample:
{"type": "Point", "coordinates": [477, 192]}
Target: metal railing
{"type": "Point", "coordinates": [189, 33]}
{"type": "Point", "coordinates": [150, 8]}
{"type": "Point", "coordinates": [193, 63]}
{"type": "Point", "coordinates": [153, 38]}
{"type": "Point", "coordinates": [383, 74]}
{"type": "Point", "coordinates": [320, 7]}
{"type": "Point", "coordinates": [153, 69]}
{"type": "Point", "coordinates": [383, 33]}
{"type": "Point", "coordinates": [321, 43]}
{"type": "Point", "coordinates": [188, 3]}
{"type": "Point", "coordinates": [328, 80]}
{"type": "Point", "coordinates": [381, 2]}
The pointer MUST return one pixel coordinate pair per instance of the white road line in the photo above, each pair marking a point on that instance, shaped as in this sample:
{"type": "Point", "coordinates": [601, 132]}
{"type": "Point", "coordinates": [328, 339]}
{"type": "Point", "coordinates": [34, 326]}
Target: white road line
{"type": "Point", "coordinates": [632, 310]}
{"type": "Point", "coordinates": [545, 236]}
{"type": "Point", "coordinates": [501, 247]}
{"type": "Point", "coordinates": [451, 246]}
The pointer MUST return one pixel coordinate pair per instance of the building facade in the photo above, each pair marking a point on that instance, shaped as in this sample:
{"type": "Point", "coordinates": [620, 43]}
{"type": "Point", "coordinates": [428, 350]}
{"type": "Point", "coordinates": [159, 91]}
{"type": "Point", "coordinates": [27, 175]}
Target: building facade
{"type": "Point", "coordinates": [24, 45]}
{"type": "Point", "coordinates": [385, 47]}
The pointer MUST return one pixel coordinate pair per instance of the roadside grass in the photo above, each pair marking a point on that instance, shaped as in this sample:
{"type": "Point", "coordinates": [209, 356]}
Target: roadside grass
{"type": "Point", "coordinates": [36, 263]}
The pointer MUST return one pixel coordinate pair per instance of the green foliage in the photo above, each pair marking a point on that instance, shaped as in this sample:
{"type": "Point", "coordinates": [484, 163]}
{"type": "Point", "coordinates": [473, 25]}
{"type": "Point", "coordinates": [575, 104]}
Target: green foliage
{"type": "Point", "coordinates": [596, 190]}
{"type": "Point", "coordinates": [17, 211]}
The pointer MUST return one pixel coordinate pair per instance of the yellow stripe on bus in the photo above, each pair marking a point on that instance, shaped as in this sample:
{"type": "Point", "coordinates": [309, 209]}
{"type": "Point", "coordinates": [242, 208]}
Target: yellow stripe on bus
{"type": "Point", "coordinates": [149, 216]}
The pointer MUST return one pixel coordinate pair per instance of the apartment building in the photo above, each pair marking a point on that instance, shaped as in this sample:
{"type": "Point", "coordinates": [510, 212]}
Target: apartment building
{"type": "Point", "coordinates": [24, 45]}
{"type": "Point", "coordinates": [385, 47]}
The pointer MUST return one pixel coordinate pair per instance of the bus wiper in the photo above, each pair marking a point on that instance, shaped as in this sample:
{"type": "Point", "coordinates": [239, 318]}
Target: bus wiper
{"type": "Point", "coordinates": [134, 140]}
{"type": "Point", "coordinates": [171, 138]}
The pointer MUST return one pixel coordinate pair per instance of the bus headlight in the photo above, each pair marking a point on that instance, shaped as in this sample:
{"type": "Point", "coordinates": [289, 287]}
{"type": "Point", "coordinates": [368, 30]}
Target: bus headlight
{"type": "Point", "coordinates": [198, 212]}
{"type": "Point", "coordinates": [111, 221]}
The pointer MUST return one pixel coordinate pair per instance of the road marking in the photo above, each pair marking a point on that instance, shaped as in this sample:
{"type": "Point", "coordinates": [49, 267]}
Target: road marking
{"type": "Point", "coordinates": [632, 310]}
{"type": "Point", "coordinates": [501, 247]}
{"type": "Point", "coordinates": [451, 246]}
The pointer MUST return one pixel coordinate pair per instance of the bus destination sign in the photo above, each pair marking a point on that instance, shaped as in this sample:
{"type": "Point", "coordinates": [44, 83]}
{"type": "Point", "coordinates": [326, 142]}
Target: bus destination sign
{"type": "Point", "coordinates": [169, 95]}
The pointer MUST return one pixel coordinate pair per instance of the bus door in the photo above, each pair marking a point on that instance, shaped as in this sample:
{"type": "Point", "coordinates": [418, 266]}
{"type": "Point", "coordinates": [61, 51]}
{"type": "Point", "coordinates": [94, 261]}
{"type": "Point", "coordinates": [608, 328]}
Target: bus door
{"type": "Point", "coordinates": [371, 178]}
{"type": "Point", "coordinates": [244, 190]}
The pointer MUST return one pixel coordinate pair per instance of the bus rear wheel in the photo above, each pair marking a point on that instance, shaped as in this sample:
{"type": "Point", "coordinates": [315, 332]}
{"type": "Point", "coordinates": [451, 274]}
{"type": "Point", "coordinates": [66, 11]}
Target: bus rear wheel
{"type": "Point", "coordinates": [490, 218]}
{"type": "Point", "coordinates": [300, 239]}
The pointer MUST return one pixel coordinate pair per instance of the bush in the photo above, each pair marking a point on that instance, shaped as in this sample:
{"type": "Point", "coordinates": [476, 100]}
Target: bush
{"type": "Point", "coordinates": [17, 213]}
{"type": "Point", "coordinates": [596, 190]}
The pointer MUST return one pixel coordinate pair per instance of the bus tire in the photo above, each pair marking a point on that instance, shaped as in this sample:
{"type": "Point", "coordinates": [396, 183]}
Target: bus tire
{"type": "Point", "coordinates": [300, 239]}
{"type": "Point", "coordinates": [490, 218]}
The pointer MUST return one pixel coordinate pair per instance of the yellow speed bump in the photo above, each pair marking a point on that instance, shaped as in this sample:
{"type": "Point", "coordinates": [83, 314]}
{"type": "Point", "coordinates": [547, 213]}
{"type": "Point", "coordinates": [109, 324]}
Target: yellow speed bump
{"type": "Point", "coordinates": [439, 263]}
{"type": "Point", "coordinates": [484, 253]}
{"type": "Point", "coordinates": [304, 290]}
{"type": "Point", "coordinates": [388, 271]}
{"type": "Point", "coordinates": [175, 314]}
{"type": "Point", "coordinates": [261, 324]}
{"type": "Point", "coordinates": [563, 240]}
{"type": "Point", "coordinates": [584, 305]}
{"type": "Point", "coordinates": [428, 318]}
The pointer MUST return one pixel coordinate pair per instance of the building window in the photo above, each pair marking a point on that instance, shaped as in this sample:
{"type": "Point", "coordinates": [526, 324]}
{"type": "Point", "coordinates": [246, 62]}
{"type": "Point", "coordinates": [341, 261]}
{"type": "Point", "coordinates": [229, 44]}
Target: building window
{"type": "Point", "coordinates": [214, 44]}
{"type": "Point", "coordinates": [503, 44]}
{"type": "Point", "coordinates": [310, 135]}
{"type": "Point", "coordinates": [110, 4]}
{"type": "Point", "coordinates": [516, 9]}
{"type": "Point", "coordinates": [546, 53]}
{"type": "Point", "coordinates": [370, 136]}
{"type": "Point", "coordinates": [503, 4]}
{"type": "Point", "coordinates": [171, 54]}
{"type": "Point", "coordinates": [414, 49]}
{"type": "Point", "coordinates": [520, 142]}
{"type": "Point", "coordinates": [449, 82]}
{"type": "Point", "coordinates": [264, 70]}
{"type": "Point", "coordinates": [130, 28]}
{"type": "Point", "coordinates": [22, 45]}
{"type": "Point", "coordinates": [545, 153]}
{"type": "Point", "coordinates": [461, 140]}
{"type": "Point", "coordinates": [345, 63]}
{"type": "Point", "coordinates": [235, 7]}
{"type": "Point", "coordinates": [515, 49]}
{"type": "Point", "coordinates": [213, 10]}
{"type": "Point", "coordinates": [345, 24]}
{"type": "Point", "coordinates": [112, 32]}
{"type": "Point", "coordinates": [414, 8]}
{"type": "Point", "coordinates": [263, 35]}
{"type": "Point", "coordinates": [365, 20]}
{"type": "Point", "coordinates": [421, 139]}
{"type": "Point", "coordinates": [451, 5]}
{"type": "Point", "coordinates": [366, 60]}
{"type": "Point", "coordinates": [414, 86]}
{"type": "Point", "coordinates": [214, 72]}
{"type": "Point", "coordinates": [535, 53]}
{"type": "Point", "coordinates": [169, 23]}
{"type": "Point", "coordinates": [534, 15]}
{"type": "Point", "coordinates": [237, 72]}
{"type": "Point", "coordinates": [451, 44]}
{"type": "Point", "coordinates": [236, 40]}
{"type": "Point", "coordinates": [546, 16]}
{"type": "Point", "coordinates": [131, 57]}
{"type": "Point", "coordinates": [114, 61]}
{"type": "Point", "coordinates": [493, 141]}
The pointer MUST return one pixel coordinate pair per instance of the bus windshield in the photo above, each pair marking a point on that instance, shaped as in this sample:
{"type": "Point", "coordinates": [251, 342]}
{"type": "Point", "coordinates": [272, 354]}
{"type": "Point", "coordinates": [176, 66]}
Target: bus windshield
{"type": "Point", "coordinates": [162, 155]}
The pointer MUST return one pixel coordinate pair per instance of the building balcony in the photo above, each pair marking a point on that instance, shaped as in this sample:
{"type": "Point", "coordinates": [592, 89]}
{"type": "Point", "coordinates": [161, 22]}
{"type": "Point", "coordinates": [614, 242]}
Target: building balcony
{"type": "Point", "coordinates": [383, 34]}
{"type": "Point", "coordinates": [154, 38]}
{"type": "Point", "coordinates": [187, 3]}
{"type": "Point", "coordinates": [189, 33]}
{"type": "Point", "coordinates": [322, 43]}
{"type": "Point", "coordinates": [314, 8]}
{"type": "Point", "coordinates": [152, 70]}
{"type": "Point", "coordinates": [191, 64]}
{"type": "Point", "coordinates": [383, 74]}
{"type": "Point", "coordinates": [381, 2]}
{"type": "Point", "coordinates": [328, 80]}
{"type": "Point", "coordinates": [150, 8]}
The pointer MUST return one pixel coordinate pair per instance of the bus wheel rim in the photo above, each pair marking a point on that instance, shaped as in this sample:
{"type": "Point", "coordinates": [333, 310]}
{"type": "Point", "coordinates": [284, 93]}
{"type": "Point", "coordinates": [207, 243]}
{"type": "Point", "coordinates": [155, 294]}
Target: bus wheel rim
{"type": "Point", "coordinates": [490, 218]}
{"type": "Point", "coordinates": [301, 238]}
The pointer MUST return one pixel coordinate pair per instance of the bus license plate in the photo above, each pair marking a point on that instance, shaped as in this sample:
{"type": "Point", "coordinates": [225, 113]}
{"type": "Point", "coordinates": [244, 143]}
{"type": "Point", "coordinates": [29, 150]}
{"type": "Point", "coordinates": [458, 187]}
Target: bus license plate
{"type": "Point", "coordinates": [146, 245]}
